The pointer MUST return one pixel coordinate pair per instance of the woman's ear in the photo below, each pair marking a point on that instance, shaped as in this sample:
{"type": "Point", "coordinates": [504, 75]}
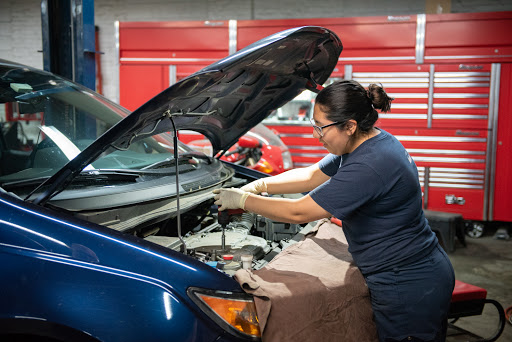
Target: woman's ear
{"type": "Point", "coordinates": [351, 127]}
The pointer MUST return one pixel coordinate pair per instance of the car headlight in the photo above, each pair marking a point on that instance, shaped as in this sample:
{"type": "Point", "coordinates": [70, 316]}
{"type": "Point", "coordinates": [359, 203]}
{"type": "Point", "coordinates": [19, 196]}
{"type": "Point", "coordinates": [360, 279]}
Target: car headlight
{"type": "Point", "coordinates": [287, 160]}
{"type": "Point", "coordinates": [234, 312]}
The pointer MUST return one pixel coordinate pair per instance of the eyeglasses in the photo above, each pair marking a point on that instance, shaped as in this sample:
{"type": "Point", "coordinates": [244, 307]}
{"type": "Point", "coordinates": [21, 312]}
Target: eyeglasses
{"type": "Point", "coordinates": [319, 129]}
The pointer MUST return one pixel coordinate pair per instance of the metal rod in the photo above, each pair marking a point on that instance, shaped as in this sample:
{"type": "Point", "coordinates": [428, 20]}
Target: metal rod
{"type": "Point", "coordinates": [430, 107]}
{"type": "Point", "coordinates": [178, 213]}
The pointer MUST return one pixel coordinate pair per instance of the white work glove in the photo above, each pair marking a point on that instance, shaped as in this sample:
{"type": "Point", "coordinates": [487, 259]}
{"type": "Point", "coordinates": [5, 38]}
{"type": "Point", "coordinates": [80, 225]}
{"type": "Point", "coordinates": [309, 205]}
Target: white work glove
{"type": "Point", "coordinates": [231, 198]}
{"type": "Point", "coordinates": [256, 187]}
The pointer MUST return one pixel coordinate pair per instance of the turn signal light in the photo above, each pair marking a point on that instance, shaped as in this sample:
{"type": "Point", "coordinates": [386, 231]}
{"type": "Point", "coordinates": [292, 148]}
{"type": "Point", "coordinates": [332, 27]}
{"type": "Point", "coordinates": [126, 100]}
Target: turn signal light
{"type": "Point", "coordinates": [233, 310]}
{"type": "Point", "coordinates": [240, 314]}
{"type": "Point", "coordinates": [264, 166]}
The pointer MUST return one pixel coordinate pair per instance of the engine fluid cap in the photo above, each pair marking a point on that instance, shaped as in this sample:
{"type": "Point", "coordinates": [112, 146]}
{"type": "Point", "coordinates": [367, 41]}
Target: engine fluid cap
{"type": "Point", "coordinates": [212, 263]}
{"type": "Point", "coordinates": [227, 257]}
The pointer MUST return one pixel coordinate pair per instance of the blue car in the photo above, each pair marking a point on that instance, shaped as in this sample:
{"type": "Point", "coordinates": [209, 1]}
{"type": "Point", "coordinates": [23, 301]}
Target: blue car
{"type": "Point", "coordinates": [108, 230]}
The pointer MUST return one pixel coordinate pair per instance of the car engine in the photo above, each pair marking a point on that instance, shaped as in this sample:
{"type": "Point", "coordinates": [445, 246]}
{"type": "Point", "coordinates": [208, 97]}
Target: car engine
{"type": "Point", "coordinates": [222, 242]}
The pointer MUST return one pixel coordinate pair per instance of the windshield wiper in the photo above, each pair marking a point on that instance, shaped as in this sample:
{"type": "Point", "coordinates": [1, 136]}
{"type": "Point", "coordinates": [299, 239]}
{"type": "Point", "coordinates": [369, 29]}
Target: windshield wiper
{"type": "Point", "coordinates": [94, 175]}
{"type": "Point", "coordinates": [108, 175]}
{"type": "Point", "coordinates": [24, 182]}
{"type": "Point", "coordinates": [183, 159]}
{"type": "Point", "coordinates": [155, 169]}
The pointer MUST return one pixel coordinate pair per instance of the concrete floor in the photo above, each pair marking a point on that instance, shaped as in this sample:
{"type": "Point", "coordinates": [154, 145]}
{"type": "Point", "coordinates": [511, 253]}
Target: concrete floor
{"type": "Point", "coordinates": [485, 262]}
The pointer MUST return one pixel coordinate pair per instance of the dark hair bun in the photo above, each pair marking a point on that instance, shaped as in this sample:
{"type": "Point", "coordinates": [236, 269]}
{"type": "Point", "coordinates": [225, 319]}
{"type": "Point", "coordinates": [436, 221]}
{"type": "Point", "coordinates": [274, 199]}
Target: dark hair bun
{"type": "Point", "coordinates": [380, 100]}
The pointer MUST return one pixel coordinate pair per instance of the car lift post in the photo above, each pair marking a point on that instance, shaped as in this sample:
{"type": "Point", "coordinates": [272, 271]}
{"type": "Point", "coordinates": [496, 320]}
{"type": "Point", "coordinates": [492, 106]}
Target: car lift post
{"type": "Point", "coordinates": [68, 35]}
{"type": "Point", "coordinates": [69, 39]}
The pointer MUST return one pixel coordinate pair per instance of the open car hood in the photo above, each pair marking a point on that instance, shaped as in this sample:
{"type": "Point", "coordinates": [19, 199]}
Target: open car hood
{"type": "Point", "coordinates": [224, 100]}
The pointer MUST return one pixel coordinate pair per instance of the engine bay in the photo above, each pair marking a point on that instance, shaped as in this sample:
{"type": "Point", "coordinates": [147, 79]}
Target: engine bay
{"type": "Point", "coordinates": [189, 223]}
{"type": "Point", "coordinates": [222, 239]}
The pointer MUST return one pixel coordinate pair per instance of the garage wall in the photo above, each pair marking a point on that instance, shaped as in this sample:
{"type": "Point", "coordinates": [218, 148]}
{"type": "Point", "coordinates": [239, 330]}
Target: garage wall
{"type": "Point", "coordinates": [20, 20]}
{"type": "Point", "coordinates": [20, 31]}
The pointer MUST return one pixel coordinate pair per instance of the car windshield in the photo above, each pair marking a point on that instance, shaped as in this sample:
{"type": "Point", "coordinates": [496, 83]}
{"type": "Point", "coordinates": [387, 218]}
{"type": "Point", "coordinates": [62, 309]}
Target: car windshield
{"type": "Point", "coordinates": [46, 121]}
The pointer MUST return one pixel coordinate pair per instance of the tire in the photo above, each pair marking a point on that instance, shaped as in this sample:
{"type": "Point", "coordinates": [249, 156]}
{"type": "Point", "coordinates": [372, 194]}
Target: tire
{"type": "Point", "coordinates": [475, 229]}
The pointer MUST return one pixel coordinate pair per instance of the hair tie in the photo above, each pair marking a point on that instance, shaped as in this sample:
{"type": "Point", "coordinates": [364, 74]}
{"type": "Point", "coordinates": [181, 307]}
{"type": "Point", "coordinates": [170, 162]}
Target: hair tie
{"type": "Point", "coordinates": [369, 96]}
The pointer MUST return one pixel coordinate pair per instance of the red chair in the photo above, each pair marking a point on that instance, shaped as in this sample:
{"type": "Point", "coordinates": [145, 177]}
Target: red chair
{"type": "Point", "coordinates": [469, 300]}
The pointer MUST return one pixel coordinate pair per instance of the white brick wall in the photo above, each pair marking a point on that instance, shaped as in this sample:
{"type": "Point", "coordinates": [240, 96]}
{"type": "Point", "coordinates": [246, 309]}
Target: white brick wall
{"type": "Point", "coordinates": [20, 20]}
{"type": "Point", "coordinates": [20, 31]}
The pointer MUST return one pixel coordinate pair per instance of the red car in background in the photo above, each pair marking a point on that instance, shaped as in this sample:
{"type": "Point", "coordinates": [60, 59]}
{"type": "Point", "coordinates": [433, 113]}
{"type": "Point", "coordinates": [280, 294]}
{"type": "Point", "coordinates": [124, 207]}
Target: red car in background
{"type": "Point", "coordinates": [260, 149]}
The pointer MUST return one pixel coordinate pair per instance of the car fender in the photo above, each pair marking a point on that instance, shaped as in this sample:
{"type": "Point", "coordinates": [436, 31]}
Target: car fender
{"type": "Point", "coordinates": [97, 281]}
{"type": "Point", "coordinates": [102, 302]}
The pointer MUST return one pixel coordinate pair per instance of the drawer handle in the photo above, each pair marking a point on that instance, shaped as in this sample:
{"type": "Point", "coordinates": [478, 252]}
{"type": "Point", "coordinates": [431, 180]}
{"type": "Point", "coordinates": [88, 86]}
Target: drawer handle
{"type": "Point", "coordinates": [452, 199]}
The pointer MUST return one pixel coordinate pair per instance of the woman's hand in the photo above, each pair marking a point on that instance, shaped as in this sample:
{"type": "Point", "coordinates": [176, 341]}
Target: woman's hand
{"type": "Point", "coordinates": [256, 187]}
{"type": "Point", "coordinates": [232, 198]}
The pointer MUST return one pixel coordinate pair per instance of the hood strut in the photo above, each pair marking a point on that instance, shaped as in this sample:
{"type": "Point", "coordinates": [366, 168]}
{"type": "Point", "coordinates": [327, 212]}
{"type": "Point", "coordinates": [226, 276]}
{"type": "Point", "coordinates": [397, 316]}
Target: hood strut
{"type": "Point", "coordinates": [183, 247]}
{"type": "Point", "coordinates": [170, 115]}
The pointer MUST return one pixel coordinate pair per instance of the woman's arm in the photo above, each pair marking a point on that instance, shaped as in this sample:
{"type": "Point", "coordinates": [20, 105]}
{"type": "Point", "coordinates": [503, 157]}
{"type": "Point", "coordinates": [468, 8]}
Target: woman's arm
{"type": "Point", "coordinates": [296, 180]}
{"type": "Point", "coordinates": [301, 210]}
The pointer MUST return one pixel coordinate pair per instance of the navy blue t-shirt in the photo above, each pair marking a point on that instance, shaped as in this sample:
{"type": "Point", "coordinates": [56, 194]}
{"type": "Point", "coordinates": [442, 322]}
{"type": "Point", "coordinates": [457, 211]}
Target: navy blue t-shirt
{"type": "Point", "coordinates": [376, 193]}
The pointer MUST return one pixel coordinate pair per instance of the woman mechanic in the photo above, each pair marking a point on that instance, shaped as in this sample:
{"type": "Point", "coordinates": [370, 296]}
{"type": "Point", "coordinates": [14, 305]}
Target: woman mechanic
{"type": "Point", "coordinates": [369, 181]}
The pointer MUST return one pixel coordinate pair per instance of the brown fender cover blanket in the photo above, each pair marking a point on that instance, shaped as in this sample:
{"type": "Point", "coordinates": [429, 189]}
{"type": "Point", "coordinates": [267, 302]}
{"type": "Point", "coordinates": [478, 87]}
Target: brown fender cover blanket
{"type": "Point", "coordinates": [312, 291]}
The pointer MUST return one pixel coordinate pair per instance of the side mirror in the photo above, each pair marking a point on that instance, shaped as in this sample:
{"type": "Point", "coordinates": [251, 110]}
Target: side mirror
{"type": "Point", "coordinates": [248, 142]}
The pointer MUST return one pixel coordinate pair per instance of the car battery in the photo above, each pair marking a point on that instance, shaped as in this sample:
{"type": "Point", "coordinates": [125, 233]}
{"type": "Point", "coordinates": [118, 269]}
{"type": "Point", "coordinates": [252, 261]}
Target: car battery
{"type": "Point", "coordinates": [447, 226]}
